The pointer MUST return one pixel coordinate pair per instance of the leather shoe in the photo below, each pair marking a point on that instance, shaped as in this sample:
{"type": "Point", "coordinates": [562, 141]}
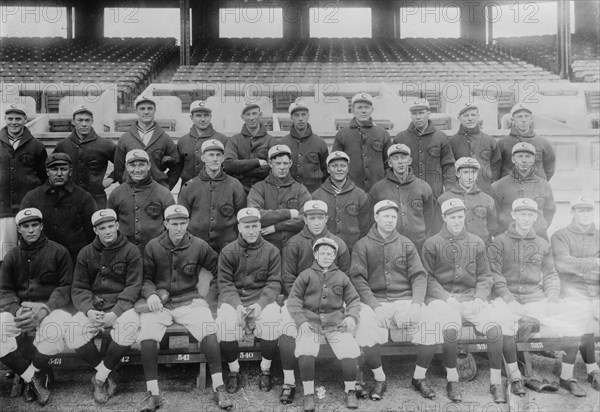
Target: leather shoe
{"type": "Point", "coordinates": [498, 393]}
{"type": "Point", "coordinates": [38, 387]}
{"type": "Point", "coordinates": [378, 390]}
{"type": "Point", "coordinates": [100, 394]}
{"type": "Point", "coordinates": [265, 381]}
{"type": "Point", "coordinates": [287, 394]}
{"type": "Point", "coordinates": [28, 393]}
{"type": "Point", "coordinates": [594, 379]}
{"type": "Point", "coordinates": [572, 386]}
{"type": "Point", "coordinates": [222, 398]}
{"type": "Point", "coordinates": [233, 382]}
{"type": "Point", "coordinates": [308, 403]}
{"type": "Point", "coordinates": [517, 388]}
{"type": "Point", "coordinates": [422, 385]}
{"type": "Point", "coordinates": [453, 391]}
{"type": "Point", "coordinates": [151, 402]}
{"type": "Point", "coordinates": [111, 385]}
{"type": "Point", "coordinates": [361, 392]}
{"type": "Point", "coordinates": [351, 400]}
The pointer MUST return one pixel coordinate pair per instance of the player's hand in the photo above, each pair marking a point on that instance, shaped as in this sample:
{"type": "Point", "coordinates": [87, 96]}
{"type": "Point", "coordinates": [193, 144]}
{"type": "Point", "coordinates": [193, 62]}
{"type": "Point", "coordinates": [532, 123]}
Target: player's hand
{"type": "Point", "coordinates": [267, 230]}
{"type": "Point", "coordinates": [154, 303]}
{"type": "Point", "coordinates": [382, 317]}
{"type": "Point", "coordinates": [254, 310]}
{"type": "Point", "coordinates": [241, 313]}
{"type": "Point", "coordinates": [25, 319]}
{"type": "Point", "coordinates": [477, 306]}
{"type": "Point", "coordinates": [95, 316]}
{"type": "Point", "coordinates": [262, 162]}
{"type": "Point", "coordinates": [454, 304]}
{"type": "Point", "coordinates": [294, 213]}
{"type": "Point", "coordinates": [306, 328]}
{"type": "Point", "coordinates": [107, 182]}
{"type": "Point", "coordinates": [109, 319]}
{"type": "Point", "coordinates": [515, 307]}
{"type": "Point", "coordinates": [350, 324]}
{"type": "Point", "coordinates": [552, 308]}
{"type": "Point", "coordinates": [414, 313]}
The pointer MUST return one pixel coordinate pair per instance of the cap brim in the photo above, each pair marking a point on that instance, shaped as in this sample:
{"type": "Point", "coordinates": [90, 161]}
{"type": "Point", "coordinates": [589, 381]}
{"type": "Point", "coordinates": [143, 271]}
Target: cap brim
{"type": "Point", "coordinates": [145, 101]}
{"type": "Point", "coordinates": [279, 153]}
{"type": "Point", "coordinates": [83, 111]}
{"type": "Point", "coordinates": [363, 101]}
{"type": "Point", "coordinates": [104, 219]}
{"type": "Point", "coordinates": [208, 149]}
{"type": "Point", "coordinates": [299, 108]}
{"type": "Point", "coordinates": [463, 111]}
{"type": "Point", "coordinates": [251, 106]}
{"type": "Point", "coordinates": [413, 108]}
{"type": "Point", "coordinates": [518, 208]}
{"type": "Point", "coordinates": [177, 216]}
{"type": "Point", "coordinates": [397, 152]}
{"type": "Point", "coordinates": [137, 158]}
{"type": "Point", "coordinates": [582, 206]}
{"type": "Point", "coordinates": [454, 209]}
{"type": "Point", "coordinates": [338, 158]}
{"type": "Point", "coordinates": [249, 219]}
{"type": "Point", "coordinates": [382, 208]}
{"type": "Point", "coordinates": [29, 219]}
{"type": "Point", "coordinates": [201, 109]}
{"type": "Point", "coordinates": [468, 166]}
{"type": "Point", "coordinates": [15, 111]}
{"type": "Point", "coordinates": [58, 162]}
{"type": "Point", "coordinates": [315, 212]}
{"type": "Point", "coordinates": [523, 151]}
{"type": "Point", "coordinates": [521, 110]}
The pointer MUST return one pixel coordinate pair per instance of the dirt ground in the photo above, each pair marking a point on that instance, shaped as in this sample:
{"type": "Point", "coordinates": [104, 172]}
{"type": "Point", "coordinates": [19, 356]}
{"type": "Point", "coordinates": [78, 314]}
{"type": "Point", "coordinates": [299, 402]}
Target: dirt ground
{"type": "Point", "coordinates": [72, 391]}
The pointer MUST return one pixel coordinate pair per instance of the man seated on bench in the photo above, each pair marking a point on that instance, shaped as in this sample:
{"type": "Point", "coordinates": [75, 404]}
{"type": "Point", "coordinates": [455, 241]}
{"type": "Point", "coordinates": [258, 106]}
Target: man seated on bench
{"type": "Point", "coordinates": [35, 291]}
{"type": "Point", "coordinates": [459, 284]}
{"type": "Point", "coordinates": [172, 263]}
{"type": "Point", "coordinates": [297, 256]}
{"type": "Point", "coordinates": [107, 281]}
{"type": "Point", "coordinates": [324, 303]}
{"type": "Point", "coordinates": [576, 250]}
{"type": "Point", "coordinates": [249, 282]}
{"type": "Point", "coordinates": [391, 282]}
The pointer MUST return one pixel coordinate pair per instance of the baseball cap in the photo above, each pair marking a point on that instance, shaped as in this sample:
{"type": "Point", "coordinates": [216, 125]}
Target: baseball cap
{"type": "Point", "coordinates": [143, 98]}
{"type": "Point", "coordinates": [25, 215]}
{"type": "Point", "coordinates": [248, 214]}
{"type": "Point", "coordinates": [313, 207]}
{"type": "Point", "coordinates": [337, 155]}
{"type": "Point", "coordinates": [277, 150]}
{"type": "Point", "coordinates": [103, 215]}
{"type": "Point", "coordinates": [467, 107]}
{"type": "Point", "coordinates": [524, 203]}
{"type": "Point", "coordinates": [250, 105]}
{"type": "Point", "coordinates": [137, 154]}
{"type": "Point", "coordinates": [467, 162]}
{"type": "Point", "coordinates": [58, 159]}
{"type": "Point", "coordinates": [175, 211]}
{"type": "Point", "coordinates": [82, 108]}
{"type": "Point", "coordinates": [362, 97]}
{"type": "Point", "coordinates": [452, 205]}
{"type": "Point", "coordinates": [200, 105]}
{"type": "Point", "coordinates": [384, 205]}
{"type": "Point", "coordinates": [398, 148]}
{"type": "Point", "coordinates": [518, 107]}
{"type": "Point", "coordinates": [582, 202]}
{"type": "Point", "coordinates": [325, 241]}
{"type": "Point", "coordinates": [15, 108]}
{"type": "Point", "coordinates": [297, 105]}
{"type": "Point", "coordinates": [523, 147]}
{"type": "Point", "coordinates": [212, 144]}
{"type": "Point", "coordinates": [419, 104]}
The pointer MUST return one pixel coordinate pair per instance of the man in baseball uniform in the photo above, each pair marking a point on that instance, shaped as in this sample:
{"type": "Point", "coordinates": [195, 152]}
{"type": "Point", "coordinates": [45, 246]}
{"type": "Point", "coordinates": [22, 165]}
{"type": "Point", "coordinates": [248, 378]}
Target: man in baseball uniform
{"type": "Point", "coordinates": [323, 302]}
{"type": "Point", "coordinates": [391, 282]}
{"type": "Point", "coordinates": [106, 283]}
{"type": "Point", "coordinates": [140, 202]}
{"type": "Point", "coordinates": [365, 143]}
{"type": "Point", "coordinates": [522, 132]}
{"type": "Point", "coordinates": [66, 207]}
{"type": "Point", "coordinates": [413, 196]}
{"type": "Point", "coordinates": [309, 151]}
{"type": "Point", "coordinates": [459, 285]}
{"type": "Point", "coordinates": [481, 218]}
{"type": "Point", "coordinates": [471, 142]}
{"type": "Point", "coordinates": [145, 134]}
{"type": "Point", "coordinates": [190, 144]}
{"type": "Point", "coordinates": [172, 263]}
{"type": "Point", "coordinates": [213, 198]}
{"type": "Point", "coordinates": [523, 182]}
{"type": "Point", "coordinates": [249, 281]}
{"type": "Point", "coordinates": [90, 155]}
{"type": "Point", "coordinates": [22, 160]}
{"type": "Point", "coordinates": [348, 205]}
{"type": "Point", "coordinates": [576, 251]}
{"type": "Point", "coordinates": [246, 153]}
{"type": "Point", "coordinates": [35, 291]}
{"type": "Point", "coordinates": [279, 198]}
{"type": "Point", "coordinates": [432, 156]}
{"type": "Point", "coordinates": [298, 255]}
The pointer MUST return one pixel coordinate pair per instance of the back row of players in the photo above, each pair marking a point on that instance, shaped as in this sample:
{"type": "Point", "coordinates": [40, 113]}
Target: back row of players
{"type": "Point", "coordinates": [451, 279]}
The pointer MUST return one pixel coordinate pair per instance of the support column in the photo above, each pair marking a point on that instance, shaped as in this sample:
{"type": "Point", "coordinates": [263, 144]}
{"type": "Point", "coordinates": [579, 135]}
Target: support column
{"type": "Point", "coordinates": [587, 15]}
{"type": "Point", "coordinates": [472, 21]}
{"type": "Point", "coordinates": [184, 48]}
{"type": "Point", "coordinates": [89, 19]}
{"type": "Point", "coordinates": [564, 39]}
{"type": "Point", "coordinates": [489, 12]}
{"type": "Point", "coordinates": [385, 19]}
{"type": "Point", "coordinates": [69, 22]}
{"type": "Point", "coordinates": [205, 20]}
{"type": "Point", "coordinates": [296, 21]}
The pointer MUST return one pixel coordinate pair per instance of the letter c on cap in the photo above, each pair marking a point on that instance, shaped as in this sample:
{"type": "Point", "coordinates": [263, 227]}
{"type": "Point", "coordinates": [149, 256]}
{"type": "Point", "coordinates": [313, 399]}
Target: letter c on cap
{"type": "Point", "coordinates": [27, 212]}
{"type": "Point", "coordinates": [103, 213]}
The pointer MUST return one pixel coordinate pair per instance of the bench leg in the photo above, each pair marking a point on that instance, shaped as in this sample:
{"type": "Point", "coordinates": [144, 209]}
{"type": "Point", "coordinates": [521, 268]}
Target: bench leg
{"type": "Point", "coordinates": [17, 387]}
{"type": "Point", "coordinates": [201, 378]}
{"type": "Point", "coordinates": [524, 358]}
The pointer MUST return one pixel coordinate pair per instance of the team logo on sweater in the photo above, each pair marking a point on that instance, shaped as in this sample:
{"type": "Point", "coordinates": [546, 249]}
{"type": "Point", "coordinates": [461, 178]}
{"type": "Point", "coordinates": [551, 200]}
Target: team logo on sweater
{"type": "Point", "coordinates": [417, 204]}
{"type": "Point", "coordinates": [377, 146]}
{"type": "Point", "coordinates": [480, 211]}
{"type": "Point", "coordinates": [226, 210]}
{"type": "Point", "coordinates": [119, 268]}
{"type": "Point", "coordinates": [158, 154]}
{"type": "Point", "coordinates": [27, 159]}
{"type": "Point", "coordinates": [94, 166]}
{"type": "Point", "coordinates": [292, 203]}
{"type": "Point", "coordinates": [49, 278]}
{"type": "Point", "coordinates": [262, 152]}
{"type": "Point", "coordinates": [434, 151]}
{"type": "Point", "coordinates": [400, 262]}
{"type": "Point", "coordinates": [312, 157]}
{"type": "Point", "coordinates": [338, 290]}
{"type": "Point", "coordinates": [352, 209]}
{"type": "Point", "coordinates": [190, 269]}
{"type": "Point", "coordinates": [261, 276]}
{"type": "Point", "coordinates": [486, 154]}
{"type": "Point", "coordinates": [154, 210]}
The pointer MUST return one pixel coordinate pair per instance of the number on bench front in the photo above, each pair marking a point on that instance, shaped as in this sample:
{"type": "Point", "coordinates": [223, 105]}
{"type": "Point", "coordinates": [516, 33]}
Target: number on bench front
{"type": "Point", "coordinates": [536, 345]}
{"type": "Point", "coordinates": [246, 355]}
{"type": "Point", "coordinates": [55, 361]}
{"type": "Point", "coordinates": [182, 357]}
{"type": "Point", "coordinates": [481, 346]}
{"type": "Point", "coordinates": [125, 359]}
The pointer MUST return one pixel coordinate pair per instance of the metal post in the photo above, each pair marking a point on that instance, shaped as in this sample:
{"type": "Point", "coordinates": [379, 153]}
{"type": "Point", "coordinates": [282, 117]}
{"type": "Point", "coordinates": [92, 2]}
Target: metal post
{"type": "Point", "coordinates": [184, 49]}
{"type": "Point", "coordinates": [564, 39]}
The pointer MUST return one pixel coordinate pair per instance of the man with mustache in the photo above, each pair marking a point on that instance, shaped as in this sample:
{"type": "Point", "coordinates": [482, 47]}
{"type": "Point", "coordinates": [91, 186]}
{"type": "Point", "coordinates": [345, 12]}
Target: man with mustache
{"type": "Point", "coordinates": [22, 159]}
{"type": "Point", "coordinates": [90, 155]}
{"type": "Point", "coordinates": [66, 207]}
